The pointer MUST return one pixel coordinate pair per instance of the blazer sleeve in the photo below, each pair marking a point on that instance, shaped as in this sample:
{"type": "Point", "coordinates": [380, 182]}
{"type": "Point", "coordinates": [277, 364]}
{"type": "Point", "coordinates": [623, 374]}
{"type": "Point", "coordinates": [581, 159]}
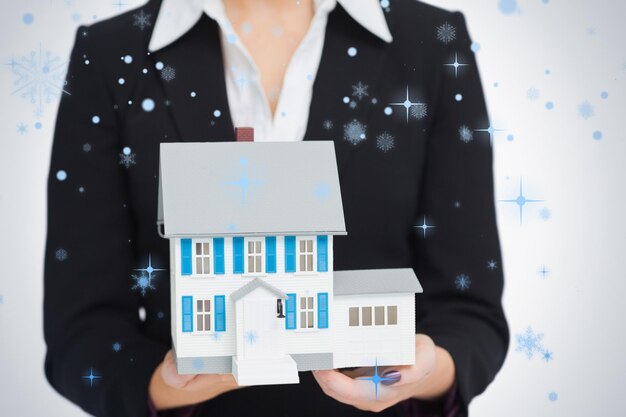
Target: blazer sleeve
{"type": "Point", "coordinates": [88, 302]}
{"type": "Point", "coordinates": [459, 261]}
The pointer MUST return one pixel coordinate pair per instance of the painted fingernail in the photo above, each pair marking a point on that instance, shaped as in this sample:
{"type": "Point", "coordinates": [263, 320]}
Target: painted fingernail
{"type": "Point", "coordinates": [390, 377]}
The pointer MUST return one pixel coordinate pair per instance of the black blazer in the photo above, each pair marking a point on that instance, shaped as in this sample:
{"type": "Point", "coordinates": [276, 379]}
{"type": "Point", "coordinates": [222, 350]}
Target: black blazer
{"type": "Point", "coordinates": [102, 216]}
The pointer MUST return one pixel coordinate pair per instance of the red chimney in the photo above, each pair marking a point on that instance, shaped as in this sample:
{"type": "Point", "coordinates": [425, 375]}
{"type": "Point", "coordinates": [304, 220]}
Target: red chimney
{"type": "Point", "coordinates": [244, 134]}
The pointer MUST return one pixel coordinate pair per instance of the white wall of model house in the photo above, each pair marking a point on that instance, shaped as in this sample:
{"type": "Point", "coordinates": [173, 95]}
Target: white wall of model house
{"type": "Point", "coordinates": [201, 287]}
{"type": "Point", "coordinates": [374, 338]}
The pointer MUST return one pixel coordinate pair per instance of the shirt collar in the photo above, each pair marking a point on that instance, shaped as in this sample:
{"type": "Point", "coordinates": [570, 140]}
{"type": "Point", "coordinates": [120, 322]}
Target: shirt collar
{"type": "Point", "coordinates": [177, 17]}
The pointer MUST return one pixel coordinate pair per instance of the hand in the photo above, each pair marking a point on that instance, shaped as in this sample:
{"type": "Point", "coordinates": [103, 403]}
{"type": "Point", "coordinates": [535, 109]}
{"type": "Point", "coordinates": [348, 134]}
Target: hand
{"type": "Point", "coordinates": [430, 378]}
{"type": "Point", "coordinates": [168, 389]}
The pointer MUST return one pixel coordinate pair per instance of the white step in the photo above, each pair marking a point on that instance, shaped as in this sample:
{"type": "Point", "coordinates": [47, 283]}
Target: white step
{"type": "Point", "coordinates": [265, 371]}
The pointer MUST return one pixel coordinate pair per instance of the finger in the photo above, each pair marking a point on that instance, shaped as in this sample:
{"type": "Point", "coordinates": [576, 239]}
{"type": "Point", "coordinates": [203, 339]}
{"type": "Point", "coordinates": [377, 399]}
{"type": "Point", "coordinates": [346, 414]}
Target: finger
{"type": "Point", "coordinates": [341, 387]}
{"type": "Point", "coordinates": [170, 375]}
{"type": "Point", "coordinates": [359, 393]}
{"type": "Point", "coordinates": [208, 382]}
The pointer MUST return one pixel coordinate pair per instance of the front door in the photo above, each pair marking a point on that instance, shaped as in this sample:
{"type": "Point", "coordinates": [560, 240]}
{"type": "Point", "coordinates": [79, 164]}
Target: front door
{"type": "Point", "coordinates": [263, 332]}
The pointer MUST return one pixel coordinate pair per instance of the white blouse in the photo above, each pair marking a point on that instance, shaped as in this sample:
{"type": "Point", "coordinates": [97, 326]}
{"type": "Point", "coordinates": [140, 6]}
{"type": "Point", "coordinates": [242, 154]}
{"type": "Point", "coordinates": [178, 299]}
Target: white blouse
{"type": "Point", "coordinates": [247, 101]}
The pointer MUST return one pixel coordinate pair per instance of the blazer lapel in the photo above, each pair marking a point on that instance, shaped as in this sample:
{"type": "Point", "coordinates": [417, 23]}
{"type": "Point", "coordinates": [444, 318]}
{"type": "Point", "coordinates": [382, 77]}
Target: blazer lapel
{"type": "Point", "coordinates": [197, 96]}
{"type": "Point", "coordinates": [330, 117]}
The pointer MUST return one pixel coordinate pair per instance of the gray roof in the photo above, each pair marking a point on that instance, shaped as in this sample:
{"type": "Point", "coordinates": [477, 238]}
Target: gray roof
{"type": "Point", "coordinates": [249, 188]}
{"type": "Point", "coordinates": [376, 281]}
{"type": "Point", "coordinates": [253, 285]}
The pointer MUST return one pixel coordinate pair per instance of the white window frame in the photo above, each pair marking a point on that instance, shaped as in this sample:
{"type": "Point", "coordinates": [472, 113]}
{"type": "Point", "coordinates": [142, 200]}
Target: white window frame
{"type": "Point", "coordinates": [247, 254]}
{"type": "Point", "coordinates": [308, 309]}
{"type": "Point", "coordinates": [209, 255]}
{"type": "Point", "coordinates": [204, 314]}
{"type": "Point", "coordinates": [306, 253]}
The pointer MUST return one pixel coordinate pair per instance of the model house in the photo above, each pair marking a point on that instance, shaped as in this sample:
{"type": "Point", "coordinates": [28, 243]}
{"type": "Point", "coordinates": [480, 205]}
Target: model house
{"type": "Point", "coordinates": [251, 228]}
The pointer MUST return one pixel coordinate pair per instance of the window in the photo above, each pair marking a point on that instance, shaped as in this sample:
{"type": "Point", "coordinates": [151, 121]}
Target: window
{"type": "Point", "coordinates": [255, 256]}
{"type": "Point", "coordinates": [353, 314]}
{"type": "Point", "coordinates": [305, 252]}
{"type": "Point", "coordinates": [366, 316]}
{"type": "Point", "coordinates": [203, 260]}
{"type": "Point", "coordinates": [203, 315]}
{"type": "Point", "coordinates": [379, 315]}
{"type": "Point", "coordinates": [306, 312]}
{"type": "Point", "coordinates": [372, 316]}
{"type": "Point", "coordinates": [392, 314]}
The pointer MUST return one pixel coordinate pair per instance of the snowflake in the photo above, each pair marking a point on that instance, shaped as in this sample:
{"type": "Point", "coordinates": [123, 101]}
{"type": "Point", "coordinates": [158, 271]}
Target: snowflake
{"type": "Point", "coordinates": [216, 336]}
{"type": "Point", "coordinates": [252, 337]}
{"type": "Point", "coordinates": [127, 159]}
{"type": "Point", "coordinates": [532, 94]}
{"type": "Point", "coordinates": [385, 142]}
{"type": "Point", "coordinates": [492, 264]}
{"type": "Point", "coordinates": [457, 204]}
{"type": "Point", "coordinates": [328, 124]}
{"type": "Point", "coordinates": [359, 90]}
{"type": "Point", "coordinates": [354, 132]}
{"type": "Point", "coordinates": [529, 343]}
{"type": "Point", "coordinates": [117, 346]}
{"type": "Point", "coordinates": [168, 74]}
{"type": "Point", "coordinates": [462, 282]}
{"type": "Point", "coordinates": [142, 20]}
{"type": "Point", "coordinates": [419, 110]}
{"type": "Point", "coordinates": [553, 396]}
{"type": "Point", "coordinates": [446, 33]}
{"type": "Point", "coordinates": [352, 104]}
{"type": "Point", "coordinates": [60, 254]}
{"type": "Point", "coordinates": [586, 110]}
{"type": "Point", "coordinates": [545, 214]}
{"type": "Point", "coordinates": [22, 128]}
{"type": "Point", "coordinates": [547, 355]}
{"type": "Point", "coordinates": [466, 134]}
{"type": "Point", "coordinates": [39, 78]}
{"type": "Point", "coordinates": [143, 282]}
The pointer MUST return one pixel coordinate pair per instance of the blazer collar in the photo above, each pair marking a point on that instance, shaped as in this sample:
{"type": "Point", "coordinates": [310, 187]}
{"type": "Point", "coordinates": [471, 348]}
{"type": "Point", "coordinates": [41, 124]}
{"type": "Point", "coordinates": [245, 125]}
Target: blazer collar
{"type": "Point", "coordinates": [177, 17]}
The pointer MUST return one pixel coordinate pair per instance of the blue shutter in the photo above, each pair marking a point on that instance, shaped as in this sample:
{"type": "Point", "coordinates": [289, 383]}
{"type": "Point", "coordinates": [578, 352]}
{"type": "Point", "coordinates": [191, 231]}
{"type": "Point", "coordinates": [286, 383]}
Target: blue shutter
{"type": "Point", "coordinates": [270, 254]}
{"type": "Point", "coordinates": [322, 253]}
{"type": "Point", "coordinates": [237, 255]}
{"type": "Point", "coordinates": [220, 313]}
{"type": "Point", "coordinates": [218, 255]}
{"type": "Point", "coordinates": [322, 310]}
{"type": "Point", "coordinates": [290, 254]}
{"type": "Point", "coordinates": [290, 318]}
{"type": "Point", "coordinates": [185, 256]}
{"type": "Point", "coordinates": [187, 304]}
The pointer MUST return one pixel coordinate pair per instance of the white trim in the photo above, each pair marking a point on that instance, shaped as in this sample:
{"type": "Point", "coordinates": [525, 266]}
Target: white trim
{"type": "Point", "coordinates": [314, 254]}
{"type": "Point", "coordinates": [246, 254]}
{"type": "Point", "coordinates": [194, 256]}
{"type": "Point", "coordinates": [210, 314]}
{"type": "Point", "coordinates": [312, 309]}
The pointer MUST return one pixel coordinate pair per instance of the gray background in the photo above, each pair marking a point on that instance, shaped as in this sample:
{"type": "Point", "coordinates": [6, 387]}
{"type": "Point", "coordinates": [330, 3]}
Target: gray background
{"type": "Point", "coordinates": [577, 232]}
